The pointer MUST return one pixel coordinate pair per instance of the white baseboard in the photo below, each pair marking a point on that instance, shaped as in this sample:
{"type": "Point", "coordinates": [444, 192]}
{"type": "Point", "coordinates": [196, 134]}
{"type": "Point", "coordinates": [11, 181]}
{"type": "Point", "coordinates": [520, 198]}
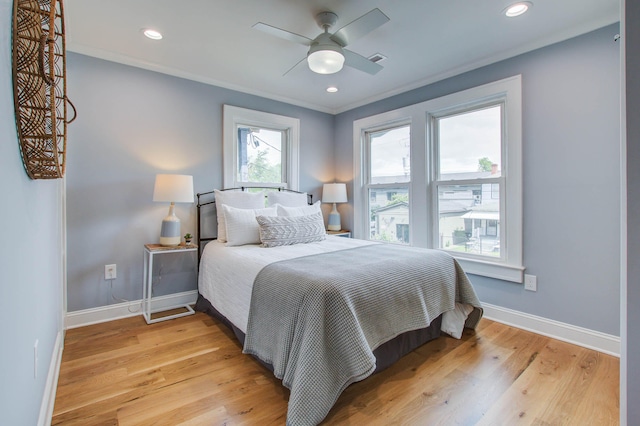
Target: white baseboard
{"type": "Point", "coordinates": [49, 396]}
{"type": "Point", "coordinates": [591, 339]}
{"type": "Point", "coordinates": [126, 309]}
{"type": "Point", "coordinates": [584, 337]}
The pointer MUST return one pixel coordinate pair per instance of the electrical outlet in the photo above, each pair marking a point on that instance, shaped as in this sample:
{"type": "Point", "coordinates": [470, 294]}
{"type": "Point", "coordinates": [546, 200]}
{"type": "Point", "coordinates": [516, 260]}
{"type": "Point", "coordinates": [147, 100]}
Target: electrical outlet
{"type": "Point", "coordinates": [530, 282]}
{"type": "Point", "coordinates": [110, 272]}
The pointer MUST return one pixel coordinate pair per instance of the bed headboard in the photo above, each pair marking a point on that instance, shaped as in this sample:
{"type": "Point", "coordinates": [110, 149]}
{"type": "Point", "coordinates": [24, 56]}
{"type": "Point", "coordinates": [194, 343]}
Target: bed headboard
{"type": "Point", "coordinates": [208, 199]}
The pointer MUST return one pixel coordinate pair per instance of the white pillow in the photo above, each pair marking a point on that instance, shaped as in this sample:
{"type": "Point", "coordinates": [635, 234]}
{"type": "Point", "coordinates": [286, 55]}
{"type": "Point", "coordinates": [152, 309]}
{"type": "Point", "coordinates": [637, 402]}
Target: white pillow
{"type": "Point", "coordinates": [283, 231]}
{"type": "Point", "coordinates": [299, 211]}
{"type": "Point", "coordinates": [239, 199]}
{"type": "Point", "coordinates": [289, 199]}
{"type": "Point", "coordinates": [242, 227]}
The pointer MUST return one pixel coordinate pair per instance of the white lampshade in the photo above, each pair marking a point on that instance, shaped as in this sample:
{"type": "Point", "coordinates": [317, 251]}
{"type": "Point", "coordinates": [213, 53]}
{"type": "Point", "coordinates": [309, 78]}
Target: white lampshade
{"type": "Point", "coordinates": [334, 193]}
{"type": "Point", "coordinates": [172, 189]}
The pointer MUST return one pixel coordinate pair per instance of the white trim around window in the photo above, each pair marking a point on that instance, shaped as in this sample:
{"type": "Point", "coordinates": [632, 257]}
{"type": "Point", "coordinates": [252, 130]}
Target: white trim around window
{"type": "Point", "coordinates": [235, 116]}
{"type": "Point", "coordinates": [423, 192]}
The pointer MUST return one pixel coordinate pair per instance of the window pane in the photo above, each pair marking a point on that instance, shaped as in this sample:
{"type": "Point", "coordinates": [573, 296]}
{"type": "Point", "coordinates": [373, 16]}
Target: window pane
{"type": "Point", "coordinates": [389, 215]}
{"type": "Point", "coordinates": [260, 155]}
{"type": "Point", "coordinates": [389, 151]}
{"type": "Point", "coordinates": [469, 218]}
{"type": "Point", "coordinates": [470, 144]}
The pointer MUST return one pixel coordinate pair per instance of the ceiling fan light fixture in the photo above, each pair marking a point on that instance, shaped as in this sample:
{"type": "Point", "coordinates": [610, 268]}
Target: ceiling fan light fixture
{"type": "Point", "coordinates": [325, 60]}
{"type": "Point", "coordinates": [325, 56]}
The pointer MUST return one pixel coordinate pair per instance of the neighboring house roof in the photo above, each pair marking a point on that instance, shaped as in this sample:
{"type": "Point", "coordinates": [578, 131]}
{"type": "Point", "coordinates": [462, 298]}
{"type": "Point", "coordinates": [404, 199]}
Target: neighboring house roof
{"type": "Point", "coordinates": [489, 211]}
{"type": "Point", "coordinates": [452, 205]}
{"type": "Point", "coordinates": [444, 176]}
{"type": "Point", "coordinates": [393, 179]}
{"type": "Point", "coordinates": [394, 206]}
{"type": "Point", "coordinates": [445, 206]}
{"type": "Point", "coordinates": [482, 215]}
{"type": "Point", "coordinates": [468, 175]}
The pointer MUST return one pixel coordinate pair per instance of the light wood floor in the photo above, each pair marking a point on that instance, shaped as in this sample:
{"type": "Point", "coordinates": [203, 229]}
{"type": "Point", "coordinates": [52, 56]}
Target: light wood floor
{"type": "Point", "coordinates": [190, 371]}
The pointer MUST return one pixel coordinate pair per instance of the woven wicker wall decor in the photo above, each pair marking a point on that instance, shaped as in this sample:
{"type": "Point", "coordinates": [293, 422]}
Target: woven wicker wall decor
{"type": "Point", "coordinates": [39, 86]}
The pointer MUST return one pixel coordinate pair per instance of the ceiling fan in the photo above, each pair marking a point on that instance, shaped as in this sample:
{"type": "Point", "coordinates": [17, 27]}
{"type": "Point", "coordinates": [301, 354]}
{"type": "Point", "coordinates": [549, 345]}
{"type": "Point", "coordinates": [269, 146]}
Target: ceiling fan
{"type": "Point", "coordinates": [327, 53]}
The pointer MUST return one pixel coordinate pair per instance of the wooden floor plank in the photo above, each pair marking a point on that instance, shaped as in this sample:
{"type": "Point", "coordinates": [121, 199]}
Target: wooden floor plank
{"type": "Point", "coordinates": [537, 387]}
{"type": "Point", "coordinates": [435, 385]}
{"type": "Point", "coordinates": [599, 405]}
{"type": "Point", "coordinates": [191, 371]}
{"type": "Point", "coordinates": [171, 401]}
{"type": "Point", "coordinates": [525, 348]}
{"type": "Point", "coordinates": [87, 392]}
{"type": "Point", "coordinates": [572, 387]}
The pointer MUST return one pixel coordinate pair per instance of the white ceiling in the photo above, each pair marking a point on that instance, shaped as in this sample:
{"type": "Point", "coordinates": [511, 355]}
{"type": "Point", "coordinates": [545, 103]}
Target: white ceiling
{"type": "Point", "coordinates": [212, 41]}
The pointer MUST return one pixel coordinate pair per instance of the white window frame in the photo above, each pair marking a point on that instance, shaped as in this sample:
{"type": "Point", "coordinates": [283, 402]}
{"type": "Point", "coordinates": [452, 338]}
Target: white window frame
{"type": "Point", "coordinates": [423, 194]}
{"type": "Point", "coordinates": [367, 172]}
{"type": "Point", "coordinates": [234, 117]}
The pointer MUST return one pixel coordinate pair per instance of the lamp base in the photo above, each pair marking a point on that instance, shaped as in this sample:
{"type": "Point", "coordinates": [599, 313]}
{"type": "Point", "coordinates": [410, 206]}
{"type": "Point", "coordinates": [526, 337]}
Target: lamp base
{"type": "Point", "coordinates": [334, 220]}
{"type": "Point", "coordinates": [169, 241]}
{"type": "Point", "coordinates": [170, 231]}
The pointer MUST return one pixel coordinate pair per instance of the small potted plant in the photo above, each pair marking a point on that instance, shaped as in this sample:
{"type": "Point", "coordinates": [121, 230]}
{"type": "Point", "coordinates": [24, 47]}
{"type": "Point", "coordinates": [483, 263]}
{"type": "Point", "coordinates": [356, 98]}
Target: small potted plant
{"type": "Point", "coordinates": [187, 238]}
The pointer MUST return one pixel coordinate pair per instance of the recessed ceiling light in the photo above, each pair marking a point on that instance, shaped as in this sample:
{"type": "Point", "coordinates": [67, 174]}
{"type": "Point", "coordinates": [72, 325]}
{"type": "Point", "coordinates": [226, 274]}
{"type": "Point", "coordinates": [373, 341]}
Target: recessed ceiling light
{"type": "Point", "coordinates": [152, 34]}
{"type": "Point", "coordinates": [332, 89]}
{"type": "Point", "coordinates": [517, 9]}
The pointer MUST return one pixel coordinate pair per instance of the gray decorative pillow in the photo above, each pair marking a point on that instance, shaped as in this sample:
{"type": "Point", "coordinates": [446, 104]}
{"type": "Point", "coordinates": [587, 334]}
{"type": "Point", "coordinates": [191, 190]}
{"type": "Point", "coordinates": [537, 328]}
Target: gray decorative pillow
{"type": "Point", "coordinates": [282, 231]}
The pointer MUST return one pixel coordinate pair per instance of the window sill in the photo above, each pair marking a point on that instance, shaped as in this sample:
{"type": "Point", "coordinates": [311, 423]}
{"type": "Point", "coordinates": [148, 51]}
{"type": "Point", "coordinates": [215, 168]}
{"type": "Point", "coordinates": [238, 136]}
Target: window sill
{"type": "Point", "coordinates": [492, 270]}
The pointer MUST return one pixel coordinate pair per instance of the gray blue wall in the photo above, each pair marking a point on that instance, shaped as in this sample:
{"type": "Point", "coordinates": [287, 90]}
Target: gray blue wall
{"type": "Point", "coordinates": [631, 358]}
{"type": "Point", "coordinates": [119, 143]}
{"type": "Point", "coordinates": [132, 124]}
{"type": "Point", "coordinates": [571, 133]}
{"type": "Point", "coordinates": [31, 288]}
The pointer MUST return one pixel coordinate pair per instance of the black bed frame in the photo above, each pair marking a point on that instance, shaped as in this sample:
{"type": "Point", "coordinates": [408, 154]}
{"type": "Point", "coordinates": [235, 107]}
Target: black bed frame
{"type": "Point", "coordinates": [207, 198]}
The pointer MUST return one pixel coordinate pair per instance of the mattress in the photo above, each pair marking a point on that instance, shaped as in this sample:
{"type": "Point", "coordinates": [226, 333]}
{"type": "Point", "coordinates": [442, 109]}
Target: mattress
{"type": "Point", "coordinates": [227, 274]}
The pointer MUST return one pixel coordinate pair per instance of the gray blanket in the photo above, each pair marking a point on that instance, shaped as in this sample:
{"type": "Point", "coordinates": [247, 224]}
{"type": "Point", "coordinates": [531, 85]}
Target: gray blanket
{"type": "Point", "coordinates": [317, 319]}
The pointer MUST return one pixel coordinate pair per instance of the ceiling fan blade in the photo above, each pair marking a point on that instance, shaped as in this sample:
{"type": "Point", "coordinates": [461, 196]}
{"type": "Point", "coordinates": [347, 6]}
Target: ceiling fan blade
{"type": "Point", "coordinates": [297, 63]}
{"type": "Point", "coordinates": [358, 28]}
{"type": "Point", "coordinates": [284, 34]}
{"type": "Point", "coordinates": [360, 62]}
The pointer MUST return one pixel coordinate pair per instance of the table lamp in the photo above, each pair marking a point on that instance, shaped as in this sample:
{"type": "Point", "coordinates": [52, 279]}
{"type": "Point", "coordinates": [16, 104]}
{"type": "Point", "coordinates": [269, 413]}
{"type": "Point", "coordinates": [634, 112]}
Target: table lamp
{"type": "Point", "coordinates": [334, 193]}
{"type": "Point", "coordinates": [172, 189]}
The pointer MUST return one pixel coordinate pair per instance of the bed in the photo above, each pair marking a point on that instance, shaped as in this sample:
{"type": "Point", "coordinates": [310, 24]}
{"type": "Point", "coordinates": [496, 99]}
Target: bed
{"type": "Point", "coordinates": [319, 311]}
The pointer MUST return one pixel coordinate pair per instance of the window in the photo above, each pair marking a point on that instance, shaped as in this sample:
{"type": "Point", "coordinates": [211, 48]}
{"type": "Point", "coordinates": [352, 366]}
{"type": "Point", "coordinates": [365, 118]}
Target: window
{"type": "Point", "coordinates": [261, 155]}
{"type": "Point", "coordinates": [468, 179]}
{"type": "Point", "coordinates": [402, 233]}
{"type": "Point", "coordinates": [388, 177]}
{"type": "Point", "coordinates": [462, 192]}
{"type": "Point", "coordinates": [260, 149]}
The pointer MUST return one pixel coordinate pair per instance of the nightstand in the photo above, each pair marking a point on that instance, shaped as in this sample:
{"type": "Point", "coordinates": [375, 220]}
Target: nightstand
{"type": "Point", "coordinates": [341, 233]}
{"type": "Point", "coordinates": [150, 251]}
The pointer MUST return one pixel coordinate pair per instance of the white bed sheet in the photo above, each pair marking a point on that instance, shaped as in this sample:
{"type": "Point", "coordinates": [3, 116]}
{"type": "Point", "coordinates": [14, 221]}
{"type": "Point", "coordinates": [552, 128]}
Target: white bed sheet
{"type": "Point", "coordinates": [227, 273]}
